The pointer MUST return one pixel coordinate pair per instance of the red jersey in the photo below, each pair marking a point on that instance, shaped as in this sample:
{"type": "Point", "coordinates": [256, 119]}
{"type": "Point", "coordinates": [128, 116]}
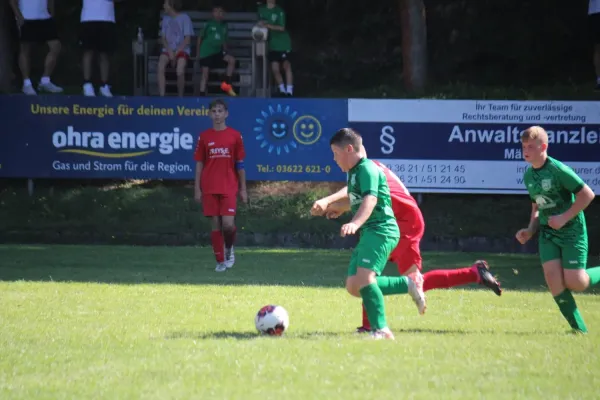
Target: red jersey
{"type": "Point", "coordinates": [219, 151]}
{"type": "Point", "coordinates": [402, 201]}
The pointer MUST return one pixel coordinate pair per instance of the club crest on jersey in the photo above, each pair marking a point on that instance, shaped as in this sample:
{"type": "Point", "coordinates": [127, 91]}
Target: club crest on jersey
{"type": "Point", "coordinates": [546, 184]}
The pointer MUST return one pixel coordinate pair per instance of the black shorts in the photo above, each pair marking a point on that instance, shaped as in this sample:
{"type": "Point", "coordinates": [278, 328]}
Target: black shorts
{"type": "Point", "coordinates": [280, 56]}
{"type": "Point", "coordinates": [594, 27]}
{"type": "Point", "coordinates": [214, 61]}
{"type": "Point", "coordinates": [38, 30]}
{"type": "Point", "coordinates": [100, 36]}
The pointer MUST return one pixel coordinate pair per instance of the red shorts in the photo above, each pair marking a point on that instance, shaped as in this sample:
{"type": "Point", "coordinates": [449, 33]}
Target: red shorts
{"type": "Point", "coordinates": [217, 205]}
{"type": "Point", "coordinates": [408, 252]}
{"type": "Point", "coordinates": [179, 54]}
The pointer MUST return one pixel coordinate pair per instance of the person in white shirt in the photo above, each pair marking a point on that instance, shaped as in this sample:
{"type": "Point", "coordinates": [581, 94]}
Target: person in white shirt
{"type": "Point", "coordinates": [98, 36]}
{"type": "Point", "coordinates": [594, 25]}
{"type": "Point", "coordinates": [36, 25]}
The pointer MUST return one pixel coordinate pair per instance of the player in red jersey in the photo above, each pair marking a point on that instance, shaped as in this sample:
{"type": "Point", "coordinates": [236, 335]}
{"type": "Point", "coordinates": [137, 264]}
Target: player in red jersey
{"type": "Point", "coordinates": [220, 175]}
{"type": "Point", "coordinates": [407, 254]}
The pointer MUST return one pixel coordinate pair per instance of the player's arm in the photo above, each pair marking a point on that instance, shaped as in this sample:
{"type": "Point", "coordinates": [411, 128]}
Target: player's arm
{"type": "Point", "coordinates": [574, 184]}
{"type": "Point", "coordinates": [534, 220]}
{"type": "Point", "coordinates": [240, 155]}
{"type": "Point", "coordinates": [369, 185]}
{"type": "Point", "coordinates": [583, 198]}
{"type": "Point", "coordinates": [199, 155]}
{"type": "Point", "coordinates": [188, 31]}
{"type": "Point", "coordinates": [15, 6]}
{"type": "Point", "coordinates": [280, 24]}
{"type": "Point", "coordinates": [199, 42]}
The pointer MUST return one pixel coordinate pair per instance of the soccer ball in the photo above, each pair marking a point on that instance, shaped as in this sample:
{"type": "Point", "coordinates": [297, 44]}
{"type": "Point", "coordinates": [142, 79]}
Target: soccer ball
{"type": "Point", "coordinates": [272, 320]}
{"type": "Point", "coordinates": [259, 33]}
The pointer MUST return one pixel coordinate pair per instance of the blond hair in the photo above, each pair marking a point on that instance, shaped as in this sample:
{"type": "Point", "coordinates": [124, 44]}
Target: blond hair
{"type": "Point", "coordinates": [535, 133]}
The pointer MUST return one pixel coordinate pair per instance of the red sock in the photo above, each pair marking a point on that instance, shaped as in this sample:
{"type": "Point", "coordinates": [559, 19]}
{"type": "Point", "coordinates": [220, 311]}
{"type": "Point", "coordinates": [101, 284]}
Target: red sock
{"type": "Point", "coordinates": [229, 237]}
{"type": "Point", "coordinates": [447, 278]}
{"type": "Point", "coordinates": [365, 323]}
{"type": "Point", "coordinates": [216, 238]}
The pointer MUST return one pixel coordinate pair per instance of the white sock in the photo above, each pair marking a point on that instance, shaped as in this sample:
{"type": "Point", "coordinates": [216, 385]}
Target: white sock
{"type": "Point", "coordinates": [45, 80]}
{"type": "Point", "coordinates": [282, 88]}
{"type": "Point", "coordinates": [290, 89]}
{"type": "Point", "coordinates": [27, 82]}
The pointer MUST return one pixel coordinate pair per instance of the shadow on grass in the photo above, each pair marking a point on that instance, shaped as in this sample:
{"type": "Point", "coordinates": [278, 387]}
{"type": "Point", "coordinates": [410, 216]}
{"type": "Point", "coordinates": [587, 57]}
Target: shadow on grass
{"type": "Point", "coordinates": [254, 266]}
{"type": "Point", "coordinates": [225, 335]}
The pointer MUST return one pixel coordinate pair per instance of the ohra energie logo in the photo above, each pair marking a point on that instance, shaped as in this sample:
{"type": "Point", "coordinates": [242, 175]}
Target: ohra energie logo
{"type": "Point", "coordinates": [280, 130]}
{"type": "Point", "coordinates": [121, 144]}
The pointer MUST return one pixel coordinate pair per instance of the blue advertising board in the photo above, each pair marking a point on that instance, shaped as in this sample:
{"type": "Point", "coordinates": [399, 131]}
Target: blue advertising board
{"type": "Point", "coordinates": [154, 138]}
{"type": "Point", "coordinates": [453, 146]}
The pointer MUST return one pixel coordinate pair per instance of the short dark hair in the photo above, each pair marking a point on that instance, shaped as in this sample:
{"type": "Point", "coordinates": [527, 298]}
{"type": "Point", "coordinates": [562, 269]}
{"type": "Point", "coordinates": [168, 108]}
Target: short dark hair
{"type": "Point", "coordinates": [218, 6]}
{"type": "Point", "coordinates": [176, 5]}
{"type": "Point", "coordinates": [218, 102]}
{"type": "Point", "coordinates": [346, 136]}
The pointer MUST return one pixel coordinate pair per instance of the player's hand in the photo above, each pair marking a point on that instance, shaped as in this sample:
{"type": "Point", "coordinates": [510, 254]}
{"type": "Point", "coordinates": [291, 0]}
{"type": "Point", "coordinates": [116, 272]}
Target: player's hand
{"type": "Point", "coordinates": [244, 196]}
{"type": "Point", "coordinates": [557, 221]}
{"type": "Point", "coordinates": [198, 196]}
{"type": "Point", "coordinates": [348, 229]}
{"type": "Point", "coordinates": [524, 235]}
{"type": "Point", "coordinates": [319, 207]}
{"type": "Point", "coordinates": [261, 23]}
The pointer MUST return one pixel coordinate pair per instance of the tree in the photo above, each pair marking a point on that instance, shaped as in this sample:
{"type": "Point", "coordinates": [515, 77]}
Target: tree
{"type": "Point", "coordinates": [414, 44]}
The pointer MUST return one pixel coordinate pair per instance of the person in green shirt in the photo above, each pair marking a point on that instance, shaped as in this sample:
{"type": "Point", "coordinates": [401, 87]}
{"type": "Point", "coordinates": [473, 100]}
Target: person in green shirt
{"type": "Point", "coordinates": [371, 204]}
{"type": "Point", "coordinates": [558, 198]}
{"type": "Point", "coordinates": [212, 51]}
{"type": "Point", "coordinates": [272, 17]}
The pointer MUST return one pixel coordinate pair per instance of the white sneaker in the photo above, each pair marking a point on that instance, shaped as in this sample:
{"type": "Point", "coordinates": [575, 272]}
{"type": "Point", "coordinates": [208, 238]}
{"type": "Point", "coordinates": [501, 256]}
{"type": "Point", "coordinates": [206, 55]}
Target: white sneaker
{"type": "Point", "coordinates": [221, 267]}
{"type": "Point", "coordinates": [88, 90]}
{"type": "Point", "coordinates": [29, 90]}
{"type": "Point", "coordinates": [105, 91]}
{"type": "Point", "coordinates": [415, 289]}
{"type": "Point", "coordinates": [50, 87]}
{"type": "Point", "coordinates": [384, 333]}
{"type": "Point", "coordinates": [229, 257]}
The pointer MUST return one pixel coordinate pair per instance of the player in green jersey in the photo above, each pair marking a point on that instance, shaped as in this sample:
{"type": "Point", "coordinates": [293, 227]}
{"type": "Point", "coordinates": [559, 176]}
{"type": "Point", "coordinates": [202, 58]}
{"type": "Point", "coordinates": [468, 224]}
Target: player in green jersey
{"type": "Point", "coordinates": [272, 17]}
{"type": "Point", "coordinates": [212, 51]}
{"type": "Point", "coordinates": [371, 204]}
{"type": "Point", "coordinates": [558, 197]}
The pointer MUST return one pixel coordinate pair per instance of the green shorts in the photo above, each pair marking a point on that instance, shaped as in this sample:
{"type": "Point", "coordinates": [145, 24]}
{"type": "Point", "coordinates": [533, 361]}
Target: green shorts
{"type": "Point", "coordinates": [372, 252]}
{"type": "Point", "coordinates": [571, 250]}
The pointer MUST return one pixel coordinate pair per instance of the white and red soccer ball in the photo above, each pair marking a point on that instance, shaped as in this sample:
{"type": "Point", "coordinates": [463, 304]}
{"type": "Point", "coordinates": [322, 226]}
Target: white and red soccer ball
{"type": "Point", "coordinates": [272, 320]}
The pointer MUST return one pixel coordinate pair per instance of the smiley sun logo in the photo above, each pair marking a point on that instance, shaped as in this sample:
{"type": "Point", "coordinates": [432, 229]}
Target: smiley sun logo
{"type": "Point", "coordinates": [279, 129]}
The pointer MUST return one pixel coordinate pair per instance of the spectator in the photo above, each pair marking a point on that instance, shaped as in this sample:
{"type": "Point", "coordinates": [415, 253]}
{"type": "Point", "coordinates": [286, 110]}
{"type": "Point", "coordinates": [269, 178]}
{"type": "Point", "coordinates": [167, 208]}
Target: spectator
{"type": "Point", "coordinates": [594, 22]}
{"type": "Point", "coordinates": [98, 36]}
{"type": "Point", "coordinates": [36, 24]}
{"type": "Point", "coordinates": [212, 51]}
{"type": "Point", "coordinates": [176, 31]}
{"type": "Point", "coordinates": [272, 17]}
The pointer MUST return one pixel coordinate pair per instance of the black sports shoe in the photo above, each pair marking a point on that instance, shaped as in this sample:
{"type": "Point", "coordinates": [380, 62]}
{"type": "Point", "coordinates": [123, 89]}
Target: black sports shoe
{"type": "Point", "coordinates": [362, 329]}
{"type": "Point", "coordinates": [486, 278]}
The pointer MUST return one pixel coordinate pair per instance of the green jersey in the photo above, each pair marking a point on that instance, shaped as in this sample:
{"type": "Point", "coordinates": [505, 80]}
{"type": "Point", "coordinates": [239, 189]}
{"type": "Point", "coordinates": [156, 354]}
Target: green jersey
{"type": "Point", "coordinates": [278, 41]}
{"type": "Point", "coordinates": [365, 178]}
{"type": "Point", "coordinates": [214, 36]}
{"type": "Point", "coordinates": [553, 187]}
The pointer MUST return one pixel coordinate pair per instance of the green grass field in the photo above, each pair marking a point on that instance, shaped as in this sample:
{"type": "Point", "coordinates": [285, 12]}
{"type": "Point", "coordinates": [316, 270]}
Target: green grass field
{"type": "Point", "coordinates": [101, 322]}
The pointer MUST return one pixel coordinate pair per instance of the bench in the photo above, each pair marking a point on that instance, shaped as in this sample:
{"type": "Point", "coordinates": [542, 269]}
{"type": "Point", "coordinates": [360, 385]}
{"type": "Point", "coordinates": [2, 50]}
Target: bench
{"type": "Point", "coordinates": [239, 44]}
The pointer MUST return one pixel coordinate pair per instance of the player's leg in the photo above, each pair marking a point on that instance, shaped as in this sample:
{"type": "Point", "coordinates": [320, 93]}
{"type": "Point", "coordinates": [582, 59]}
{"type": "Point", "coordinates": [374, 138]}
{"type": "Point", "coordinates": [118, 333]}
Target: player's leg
{"type": "Point", "coordinates": [550, 256]}
{"type": "Point", "coordinates": [479, 273]}
{"type": "Point", "coordinates": [163, 60]}
{"type": "Point", "coordinates": [182, 63]}
{"type": "Point", "coordinates": [229, 65]}
{"type": "Point", "coordinates": [362, 282]}
{"type": "Point", "coordinates": [289, 76]}
{"type": "Point", "coordinates": [211, 209]}
{"type": "Point", "coordinates": [228, 208]}
{"type": "Point", "coordinates": [574, 261]}
{"type": "Point", "coordinates": [275, 59]}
